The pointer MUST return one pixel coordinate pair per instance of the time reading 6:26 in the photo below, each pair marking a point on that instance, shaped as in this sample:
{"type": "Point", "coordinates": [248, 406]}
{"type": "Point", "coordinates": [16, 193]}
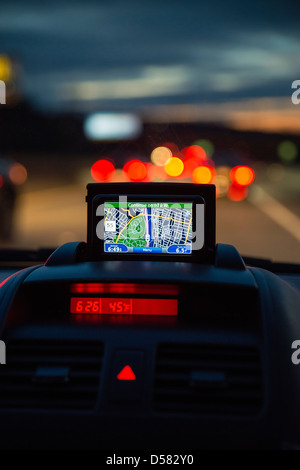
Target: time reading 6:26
{"type": "Point", "coordinates": [101, 305]}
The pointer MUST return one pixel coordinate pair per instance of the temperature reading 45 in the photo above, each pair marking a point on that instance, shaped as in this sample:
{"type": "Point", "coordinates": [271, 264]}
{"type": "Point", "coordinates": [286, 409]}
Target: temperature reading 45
{"type": "Point", "coordinates": [120, 307]}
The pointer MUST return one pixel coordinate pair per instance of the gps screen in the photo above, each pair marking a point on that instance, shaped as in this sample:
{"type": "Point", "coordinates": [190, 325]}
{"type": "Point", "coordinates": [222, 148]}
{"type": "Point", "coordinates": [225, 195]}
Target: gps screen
{"type": "Point", "coordinates": [148, 227]}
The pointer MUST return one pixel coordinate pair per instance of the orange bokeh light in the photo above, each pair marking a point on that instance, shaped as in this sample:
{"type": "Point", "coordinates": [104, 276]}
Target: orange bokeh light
{"type": "Point", "coordinates": [174, 167]}
{"type": "Point", "coordinates": [242, 175]}
{"type": "Point", "coordinates": [102, 170]}
{"type": "Point", "coordinates": [203, 175]}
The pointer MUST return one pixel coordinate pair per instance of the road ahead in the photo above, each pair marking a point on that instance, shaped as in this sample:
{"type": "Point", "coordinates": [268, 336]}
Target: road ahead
{"type": "Point", "coordinates": [266, 225]}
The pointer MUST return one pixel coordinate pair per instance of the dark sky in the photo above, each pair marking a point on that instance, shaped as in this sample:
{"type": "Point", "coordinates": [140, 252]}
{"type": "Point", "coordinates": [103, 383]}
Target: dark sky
{"type": "Point", "coordinates": [127, 54]}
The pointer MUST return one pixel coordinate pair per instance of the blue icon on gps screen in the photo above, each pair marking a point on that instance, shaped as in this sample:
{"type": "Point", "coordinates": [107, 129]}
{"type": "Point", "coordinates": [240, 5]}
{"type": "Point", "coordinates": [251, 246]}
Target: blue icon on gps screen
{"type": "Point", "coordinates": [146, 250]}
{"type": "Point", "coordinates": [180, 249]}
{"type": "Point", "coordinates": [115, 248]}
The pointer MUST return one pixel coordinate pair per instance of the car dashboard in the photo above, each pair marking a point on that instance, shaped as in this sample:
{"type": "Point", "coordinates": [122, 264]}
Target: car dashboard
{"type": "Point", "coordinates": [214, 374]}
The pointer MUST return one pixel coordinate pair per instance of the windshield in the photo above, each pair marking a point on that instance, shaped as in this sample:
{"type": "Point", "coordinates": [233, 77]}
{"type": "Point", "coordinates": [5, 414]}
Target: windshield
{"type": "Point", "coordinates": [198, 92]}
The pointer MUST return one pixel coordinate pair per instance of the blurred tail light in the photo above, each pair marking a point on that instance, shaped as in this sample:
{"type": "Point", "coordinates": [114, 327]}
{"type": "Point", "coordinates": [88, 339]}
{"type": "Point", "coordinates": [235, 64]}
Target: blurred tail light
{"type": "Point", "coordinates": [203, 175]}
{"type": "Point", "coordinates": [135, 170]}
{"type": "Point", "coordinates": [102, 170]}
{"type": "Point", "coordinates": [242, 176]}
{"type": "Point", "coordinates": [17, 174]}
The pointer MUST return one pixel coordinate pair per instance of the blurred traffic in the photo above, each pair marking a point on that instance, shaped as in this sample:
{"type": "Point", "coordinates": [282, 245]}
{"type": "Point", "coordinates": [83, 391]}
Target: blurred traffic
{"type": "Point", "coordinates": [49, 159]}
{"type": "Point", "coordinates": [191, 165]}
{"type": "Point", "coordinates": [165, 98]}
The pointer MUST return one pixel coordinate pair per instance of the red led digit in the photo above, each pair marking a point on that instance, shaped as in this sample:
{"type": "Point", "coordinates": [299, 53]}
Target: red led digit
{"type": "Point", "coordinates": [116, 306]}
{"type": "Point", "coordinates": [85, 305]}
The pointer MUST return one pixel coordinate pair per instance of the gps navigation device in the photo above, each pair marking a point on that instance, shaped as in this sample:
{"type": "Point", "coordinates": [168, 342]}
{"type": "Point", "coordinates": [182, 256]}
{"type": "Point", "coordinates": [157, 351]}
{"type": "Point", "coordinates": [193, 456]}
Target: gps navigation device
{"type": "Point", "coordinates": [151, 221]}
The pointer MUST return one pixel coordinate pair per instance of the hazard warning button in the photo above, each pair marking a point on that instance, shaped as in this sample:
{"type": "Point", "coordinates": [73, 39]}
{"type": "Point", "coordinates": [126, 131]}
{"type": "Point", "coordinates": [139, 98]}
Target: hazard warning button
{"type": "Point", "coordinates": [127, 376]}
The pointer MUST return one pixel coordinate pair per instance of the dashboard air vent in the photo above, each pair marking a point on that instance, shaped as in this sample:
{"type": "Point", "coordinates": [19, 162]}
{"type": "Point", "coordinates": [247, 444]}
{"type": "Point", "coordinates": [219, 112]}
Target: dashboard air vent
{"type": "Point", "coordinates": [208, 379]}
{"type": "Point", "coordinates": [51, 374]}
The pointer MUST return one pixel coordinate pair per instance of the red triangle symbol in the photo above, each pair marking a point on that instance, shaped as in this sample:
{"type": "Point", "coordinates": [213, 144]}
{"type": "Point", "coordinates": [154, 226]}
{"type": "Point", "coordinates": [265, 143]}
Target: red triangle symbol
{"type": "Point", "coordinates": [126, 374]}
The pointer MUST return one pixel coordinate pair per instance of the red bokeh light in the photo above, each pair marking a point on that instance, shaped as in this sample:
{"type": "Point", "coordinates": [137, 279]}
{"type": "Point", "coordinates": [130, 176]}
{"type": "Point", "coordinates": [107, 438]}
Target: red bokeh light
{"type": "Point", "coordinates": [195, 152]}
{"type": "Point", "coordinates": [136, 170]}
{"type": "Point", "coordinates": [192, 157]}
{"type": "Point", "coordinates": [102, 170]}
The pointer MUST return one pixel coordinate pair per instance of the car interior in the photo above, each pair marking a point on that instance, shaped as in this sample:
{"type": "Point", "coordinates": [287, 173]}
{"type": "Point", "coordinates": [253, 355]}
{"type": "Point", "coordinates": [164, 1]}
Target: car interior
{"type": "Point", "coordinates": [184, 351]}
{"type": "Point", "coordinates": [149, 228]}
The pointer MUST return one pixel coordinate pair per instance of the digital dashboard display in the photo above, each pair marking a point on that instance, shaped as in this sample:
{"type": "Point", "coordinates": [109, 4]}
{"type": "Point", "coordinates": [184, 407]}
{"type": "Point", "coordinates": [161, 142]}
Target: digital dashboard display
{"type": "Point", "coordinates": [123, 306]}
{"type": "Point", "coordinates": [148, 227]}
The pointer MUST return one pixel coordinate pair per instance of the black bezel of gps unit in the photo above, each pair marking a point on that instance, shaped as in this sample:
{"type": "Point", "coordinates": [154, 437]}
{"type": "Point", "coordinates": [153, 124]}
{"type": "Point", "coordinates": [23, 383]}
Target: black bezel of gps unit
{"type": "Point", "coordinates": [201, 197]}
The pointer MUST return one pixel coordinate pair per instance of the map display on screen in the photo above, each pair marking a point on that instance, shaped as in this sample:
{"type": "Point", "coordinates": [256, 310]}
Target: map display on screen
{"type": "Point", "coordinates": [148, 227]}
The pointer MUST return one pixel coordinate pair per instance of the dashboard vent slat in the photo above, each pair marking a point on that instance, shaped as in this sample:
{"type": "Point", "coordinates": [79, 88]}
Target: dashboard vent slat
{"type": "Point", "coordinates": [22, 387]}
{"type": "Point", "coordinates": [235, 387]}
